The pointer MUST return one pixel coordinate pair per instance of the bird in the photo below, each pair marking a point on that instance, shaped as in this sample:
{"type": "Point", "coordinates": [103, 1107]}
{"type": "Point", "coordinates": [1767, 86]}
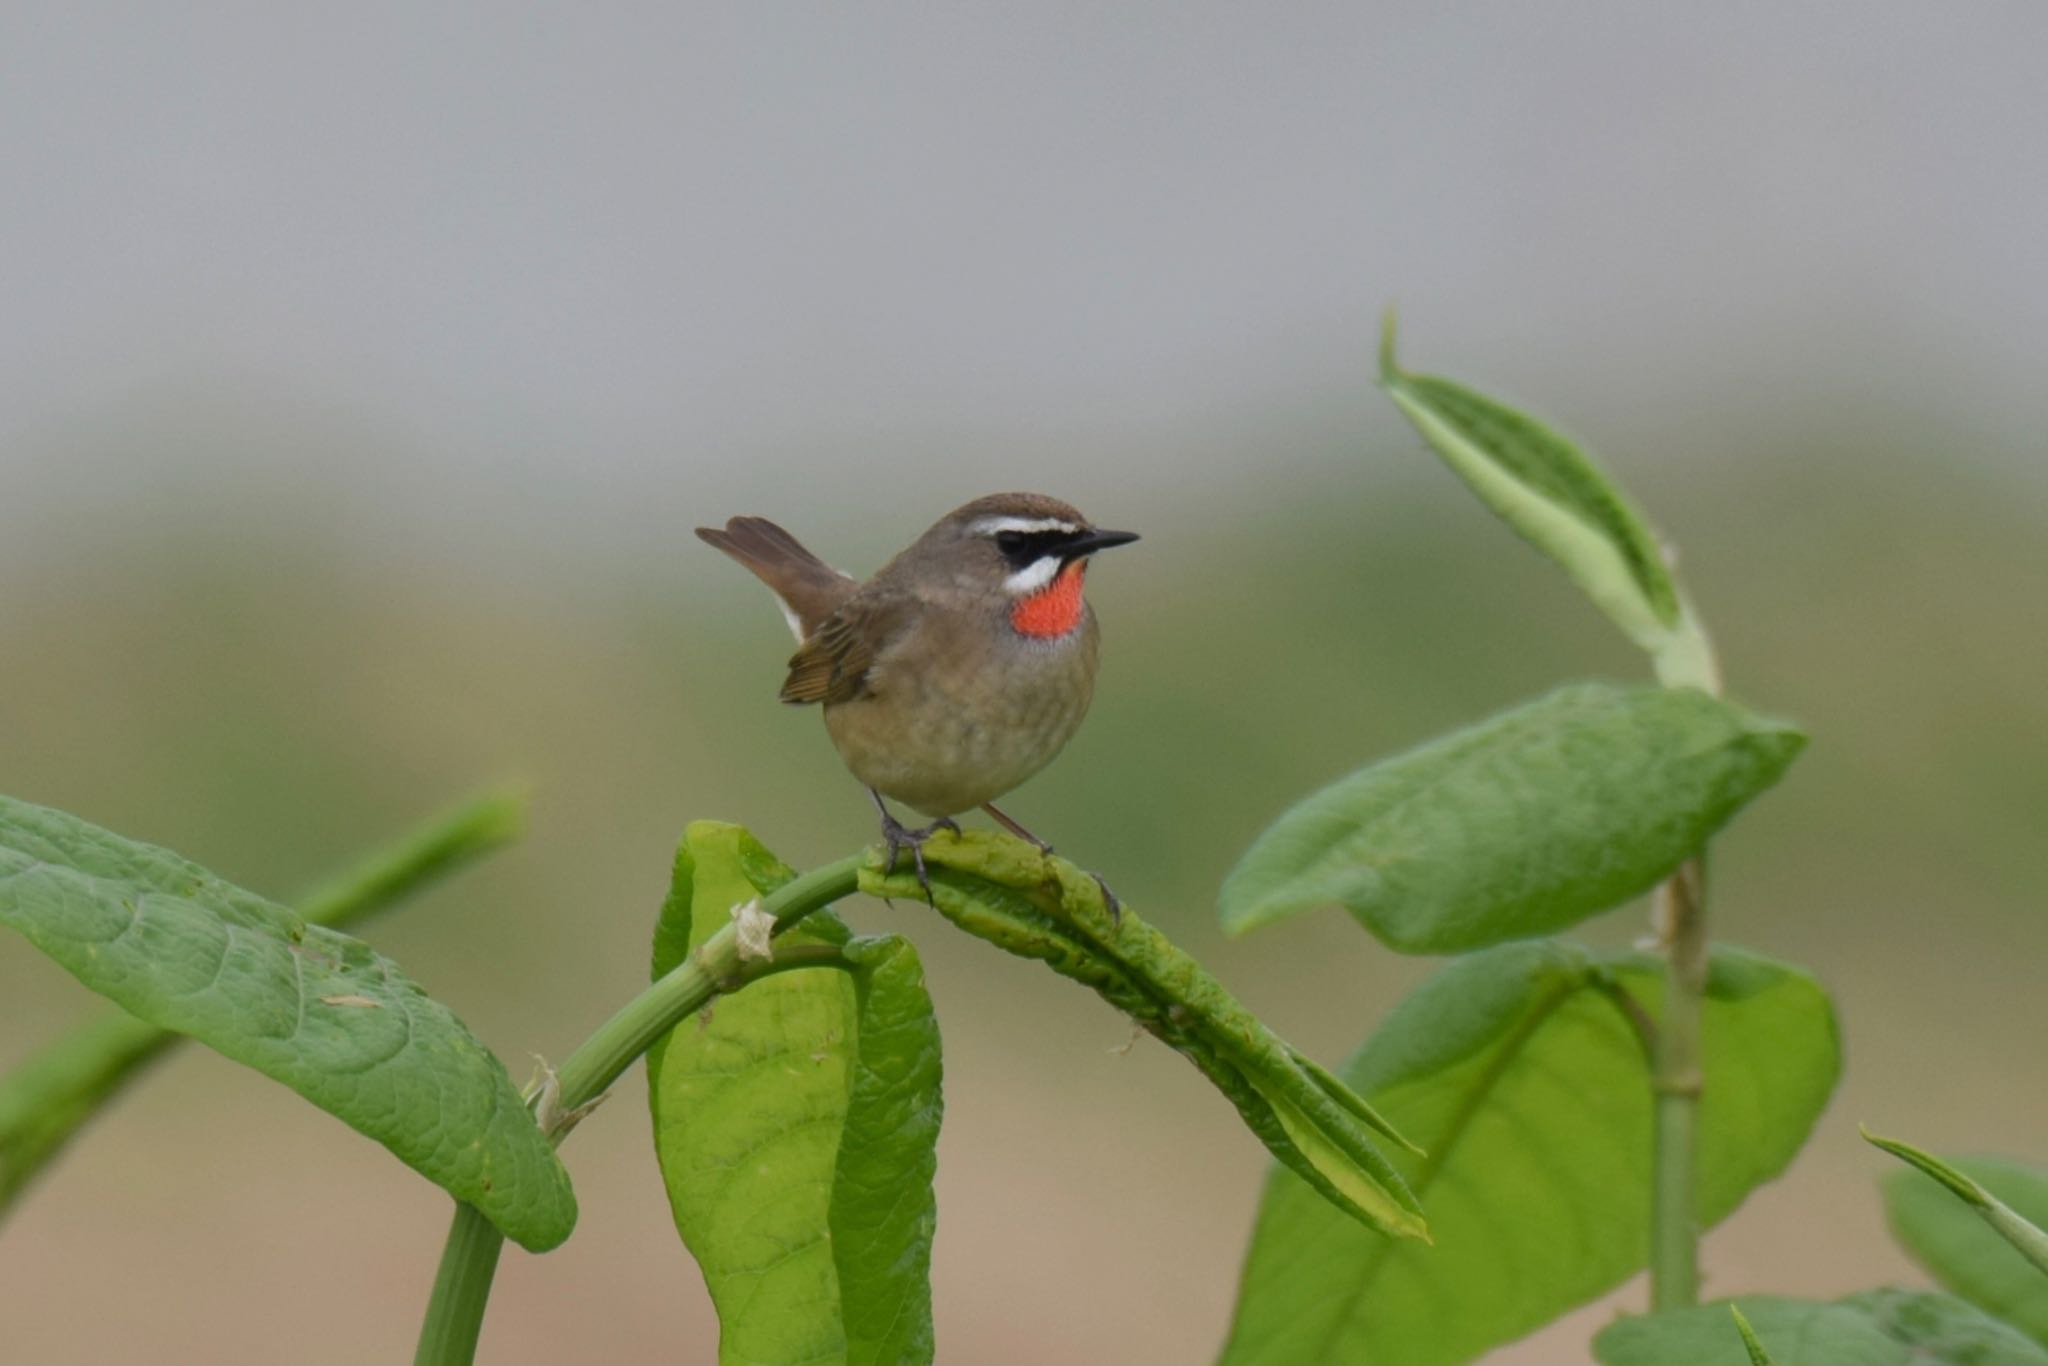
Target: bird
{"type": "Point", "coordinates": [955, 673]}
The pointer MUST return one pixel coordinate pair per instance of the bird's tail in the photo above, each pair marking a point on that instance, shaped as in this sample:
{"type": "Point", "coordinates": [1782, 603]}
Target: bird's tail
{"type": "Point", "coordinates": [810, 590]}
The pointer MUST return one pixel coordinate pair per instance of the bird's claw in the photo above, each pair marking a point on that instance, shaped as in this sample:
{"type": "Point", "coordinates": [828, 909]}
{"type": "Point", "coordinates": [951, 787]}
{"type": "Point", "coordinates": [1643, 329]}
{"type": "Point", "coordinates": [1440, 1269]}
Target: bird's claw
{"type": "Point", "coordinates": [896, 837]}
{"type": "Point", "coordinates": [1110, 900]}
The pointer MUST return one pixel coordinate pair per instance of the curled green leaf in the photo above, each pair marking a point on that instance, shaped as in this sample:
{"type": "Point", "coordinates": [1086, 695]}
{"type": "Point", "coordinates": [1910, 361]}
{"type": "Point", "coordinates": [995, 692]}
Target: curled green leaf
{"type": "Point", "coordinates": [1959, 1185]}
{"type": "Point", "coordinates": [1032, 904]}
{"type": "Point", "coordinates": [1560, 501]}
{"type": "Point", "coordinates": [1978, 1231]}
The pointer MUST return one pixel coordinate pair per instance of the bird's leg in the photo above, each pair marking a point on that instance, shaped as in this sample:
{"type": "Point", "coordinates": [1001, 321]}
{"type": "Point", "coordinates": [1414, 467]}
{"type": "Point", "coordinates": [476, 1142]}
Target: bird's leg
{"type": "Point", "coordinates": [1019, 831]}
{"type": "Point", "coordinates": [1109, 899]}
{"type": "Point", "coordinates": [897, 836]}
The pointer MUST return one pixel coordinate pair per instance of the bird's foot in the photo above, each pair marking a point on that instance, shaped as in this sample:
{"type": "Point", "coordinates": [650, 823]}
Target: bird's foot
{"type": "Point", "coordinates": [1044, 850]}
{"type": "Point", "coordinates": [896, 837]}
{"type": "Point", "coordinates": [1109, 898]}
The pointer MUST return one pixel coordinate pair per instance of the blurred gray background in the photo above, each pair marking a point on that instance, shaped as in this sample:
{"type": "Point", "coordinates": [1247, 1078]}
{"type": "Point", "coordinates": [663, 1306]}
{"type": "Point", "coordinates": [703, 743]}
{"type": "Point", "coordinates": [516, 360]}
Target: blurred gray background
{"type": "Point", "coordinates": [363, 370]}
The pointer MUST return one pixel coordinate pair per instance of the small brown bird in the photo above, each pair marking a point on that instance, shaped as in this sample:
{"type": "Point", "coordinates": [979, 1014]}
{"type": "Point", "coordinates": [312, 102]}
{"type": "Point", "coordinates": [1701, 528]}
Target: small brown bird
{"type": "Point", "coordinates": [957, 671]}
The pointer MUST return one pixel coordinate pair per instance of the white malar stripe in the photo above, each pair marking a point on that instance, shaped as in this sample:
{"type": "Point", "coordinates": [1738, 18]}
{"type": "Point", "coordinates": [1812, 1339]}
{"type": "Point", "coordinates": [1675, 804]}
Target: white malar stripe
{"type": "Point", "coordinates": [1033, 577]}
{"type": "Point", "coordinates": [996, 526]}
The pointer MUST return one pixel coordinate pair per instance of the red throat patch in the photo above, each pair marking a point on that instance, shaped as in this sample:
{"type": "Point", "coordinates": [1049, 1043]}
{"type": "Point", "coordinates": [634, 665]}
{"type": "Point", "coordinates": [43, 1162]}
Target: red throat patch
{"type": "Point", "coordinates": [1054, 609]}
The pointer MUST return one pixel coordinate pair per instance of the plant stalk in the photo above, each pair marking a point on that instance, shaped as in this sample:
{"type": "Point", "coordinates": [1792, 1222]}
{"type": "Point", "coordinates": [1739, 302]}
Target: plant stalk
{"type": "Point", "coordinates": [454, 839]}
{"type": "Point", "coordinates": [469, 1259]}
{"type": "Point", "coordinates": [1674, 1230]}
{"type": "Point", "coordinates": [1680, 917]}
{"type": "Point", "coordinates": [455, 1314]}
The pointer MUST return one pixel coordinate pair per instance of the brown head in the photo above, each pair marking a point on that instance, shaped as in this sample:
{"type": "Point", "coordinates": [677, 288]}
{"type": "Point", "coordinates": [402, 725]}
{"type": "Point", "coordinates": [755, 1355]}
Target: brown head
{"type": "Point", "coordinates": [1027, 550]}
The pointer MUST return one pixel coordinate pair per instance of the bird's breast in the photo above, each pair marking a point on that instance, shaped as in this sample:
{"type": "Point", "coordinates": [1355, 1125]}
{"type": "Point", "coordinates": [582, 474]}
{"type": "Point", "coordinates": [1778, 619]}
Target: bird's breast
{"type": "Point", "coordinates": [960, 722]}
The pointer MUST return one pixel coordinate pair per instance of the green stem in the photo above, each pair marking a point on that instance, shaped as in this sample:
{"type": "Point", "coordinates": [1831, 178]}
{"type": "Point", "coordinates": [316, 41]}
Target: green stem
{"type": "Point", "coordinates": [1674, 1232]}
{"type": "Point", "coordinates": [455, 1314]}
{"type": "Point", "coordinates": [1678, 1078]}
{"type": "Point", "coordinates": [2026, 1238]}
{"type": "Point", "coordinates": [469, 1260]}
{"type": "Point", "coordinates": [451, 841]}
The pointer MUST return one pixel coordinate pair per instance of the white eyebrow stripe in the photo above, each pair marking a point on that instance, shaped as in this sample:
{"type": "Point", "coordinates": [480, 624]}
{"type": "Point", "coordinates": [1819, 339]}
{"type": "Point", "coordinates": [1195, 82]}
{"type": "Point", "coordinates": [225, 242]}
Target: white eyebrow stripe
{"type": "Point", "coordinates": [993, 526]}
{"type": "Point", "coordinates": [1033, 576]}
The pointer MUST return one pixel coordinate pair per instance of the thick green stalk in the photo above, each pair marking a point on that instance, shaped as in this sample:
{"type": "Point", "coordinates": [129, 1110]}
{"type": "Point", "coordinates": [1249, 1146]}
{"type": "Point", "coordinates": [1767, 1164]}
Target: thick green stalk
{"type": "Point", "coordinates": [469, 1260]}
{"type": "Point", "coordinates": [455, 1314]}
{"type": "Point", "coordinates": [1681, 922]}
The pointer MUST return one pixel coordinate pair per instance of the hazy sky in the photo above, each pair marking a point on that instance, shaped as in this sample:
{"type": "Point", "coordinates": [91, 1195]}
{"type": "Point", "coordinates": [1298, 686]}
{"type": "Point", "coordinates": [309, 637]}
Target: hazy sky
{"type": "Point", "coordinates": [606, 267]}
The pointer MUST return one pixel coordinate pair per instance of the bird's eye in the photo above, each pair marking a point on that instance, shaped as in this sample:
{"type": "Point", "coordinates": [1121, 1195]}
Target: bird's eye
{"type": "Point", "coordinates": [1011, 542]}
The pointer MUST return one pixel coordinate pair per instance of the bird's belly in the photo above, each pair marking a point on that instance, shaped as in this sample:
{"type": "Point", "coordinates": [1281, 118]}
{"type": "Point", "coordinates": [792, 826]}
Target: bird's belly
{"type": "Point", "coordinates": [944, 741]}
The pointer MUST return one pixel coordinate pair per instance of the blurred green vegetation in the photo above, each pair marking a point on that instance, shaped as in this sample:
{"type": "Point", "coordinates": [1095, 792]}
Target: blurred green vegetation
{"type": "Point", "coordinates": [271, 702]}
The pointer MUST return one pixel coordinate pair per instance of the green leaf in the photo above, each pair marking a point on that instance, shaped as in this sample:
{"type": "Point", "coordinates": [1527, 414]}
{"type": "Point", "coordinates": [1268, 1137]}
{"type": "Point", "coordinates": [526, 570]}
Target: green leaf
{"type": "Point", "coordinates": [46, 1100]}
{"type": "Point", "coordinates": [302, 1004]}
{"type": "Point", "coordinates": [1941, 1328]}
{"type": "Point", "coordinates": [1880, 1328]}
{"type": "Point", "coordinates": [1980, 1237]}
{"type": "Point", "coordinates": [796, 1125]}
{"type": "Point", "coordinates": [1758, 1355]}
{"type": "Point", "coordinates": [884, 1213]}
{"type": "Point", "coordinates": [1556, 498]}
{"type": "Point", "coordinates": [1027, 902]}
{"type": "Point", "coordinates": [1522, 1073]}
{"type": "Point", "coordinates": [1521, 825]}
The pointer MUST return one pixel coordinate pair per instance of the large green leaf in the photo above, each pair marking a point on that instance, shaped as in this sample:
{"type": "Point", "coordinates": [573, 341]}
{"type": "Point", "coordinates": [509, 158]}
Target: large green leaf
{"type": "Point", "coordinates": [884, 1213]}
{"type": "Point", "coordinates": [1953, 1236]}
{"type": "Point", "coordinates": [1521, 1073]}
{"type": "Point", "coordinates": [796, 1126]}
{"type": "Point", "coordinates": [50, 1096]}
{"type": "Point", "coordinates": [1881, 1328]}
{"type": "Point", "coordinates": [1553, 494]}
{"type": "Point", "coordinates": [1521, 825]}
{"type": "Point", "coordinates": [310, 1007]}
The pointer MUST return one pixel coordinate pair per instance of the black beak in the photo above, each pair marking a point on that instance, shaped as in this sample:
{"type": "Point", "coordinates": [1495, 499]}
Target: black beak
{"type": "Point", "coordinates": [1088, 542]}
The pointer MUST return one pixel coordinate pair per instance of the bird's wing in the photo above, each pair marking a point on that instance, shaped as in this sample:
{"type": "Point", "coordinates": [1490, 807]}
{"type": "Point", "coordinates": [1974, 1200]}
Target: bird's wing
{"type": "Point", "coordinates": [834, 661]}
